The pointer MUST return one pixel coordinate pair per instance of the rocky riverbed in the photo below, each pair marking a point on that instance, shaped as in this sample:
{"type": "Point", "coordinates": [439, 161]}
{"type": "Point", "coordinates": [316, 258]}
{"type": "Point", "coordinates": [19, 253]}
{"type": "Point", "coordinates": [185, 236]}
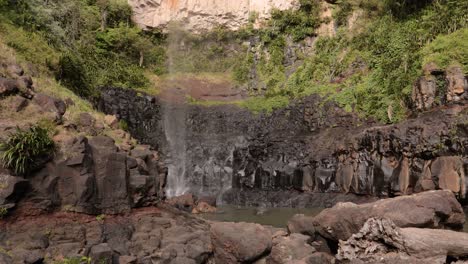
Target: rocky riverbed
{"type": "Point", "coordinates": [410, 229]}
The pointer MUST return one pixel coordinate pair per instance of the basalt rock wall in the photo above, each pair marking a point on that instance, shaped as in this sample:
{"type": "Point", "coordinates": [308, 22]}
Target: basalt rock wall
{"type": "Point", "coordinates": [305, 149]}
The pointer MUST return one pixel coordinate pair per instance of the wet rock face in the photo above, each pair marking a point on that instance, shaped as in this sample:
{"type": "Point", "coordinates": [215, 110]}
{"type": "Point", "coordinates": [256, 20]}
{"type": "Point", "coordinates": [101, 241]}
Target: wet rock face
{"type": "Point", "coordinates": [304, 148]}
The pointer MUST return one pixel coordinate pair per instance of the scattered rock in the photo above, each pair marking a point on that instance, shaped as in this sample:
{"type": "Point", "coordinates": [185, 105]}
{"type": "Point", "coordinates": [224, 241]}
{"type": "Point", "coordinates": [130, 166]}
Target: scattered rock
{"type": "Point", "coordinates": [12, 189]}
{"type": "Point", "coordinates": [301, 224]}
{"type": "Point", "coordinates": [127, 260]}
{"type": "Point", "coordinates": [239, 242]}
{"type": "Point", "coordinates": [101, 254]}
{"type": "Point", "coordinates": [8, 87]}
{"type": "Point", "coordinates": [290, 249]}
{"type": "Point", "coordinates": [19, 103]}
{"type": "Point", "coordinates": [14, 70]}
{"type": "Point", "coordinates": [111, 121]}
{"type": "Point", "coordinates": [184, 202]}
{"type": "Point", "coordinates": [86, 120]}
{"type": "Point", "coordinates": [142, 151]}
{"type": "Point", "coordinates": [203, 207]}
{"type": "Point", "coordinates": [50, 104]}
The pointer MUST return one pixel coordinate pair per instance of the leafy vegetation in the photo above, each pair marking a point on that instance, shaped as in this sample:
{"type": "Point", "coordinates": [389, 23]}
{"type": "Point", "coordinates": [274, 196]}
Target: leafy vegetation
{"type": "Point", "coordinates": [370, 70]}
{"type": "Point", "coordinates": [85, 44]}
{"type": "Point", "coordinates": [26, 149]}
{"type": "Point", "coordinates": [447, 50]}
{"type": "Point", "coordinates": [3, 212]}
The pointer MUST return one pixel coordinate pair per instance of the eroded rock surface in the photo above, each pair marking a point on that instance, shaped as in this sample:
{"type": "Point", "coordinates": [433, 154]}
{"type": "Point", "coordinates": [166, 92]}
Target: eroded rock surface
{"type": "Point", "coordinates": [432, 209]}
{"type": "Point", "coordinates": [240, 242]}
{"type": "Point", "coordinates": [380, 240]}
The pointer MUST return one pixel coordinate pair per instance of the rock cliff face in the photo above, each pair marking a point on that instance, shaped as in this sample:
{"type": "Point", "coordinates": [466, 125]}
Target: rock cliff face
{"type": "Point", "coordinates": [203, 14]}
{"type": "Point", "coordinates": [305, 148]}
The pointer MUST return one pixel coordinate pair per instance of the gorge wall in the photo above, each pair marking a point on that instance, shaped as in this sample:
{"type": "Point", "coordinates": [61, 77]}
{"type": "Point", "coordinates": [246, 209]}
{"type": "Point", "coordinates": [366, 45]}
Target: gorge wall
{"type": "Point", "coordinates": [286, 158]}
{"type": "Point", "coordinates": [203, 14]}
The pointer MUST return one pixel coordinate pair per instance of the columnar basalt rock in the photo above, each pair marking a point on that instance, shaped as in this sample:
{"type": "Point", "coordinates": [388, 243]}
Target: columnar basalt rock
{"type": "Point", "coordinates": [305, 148]}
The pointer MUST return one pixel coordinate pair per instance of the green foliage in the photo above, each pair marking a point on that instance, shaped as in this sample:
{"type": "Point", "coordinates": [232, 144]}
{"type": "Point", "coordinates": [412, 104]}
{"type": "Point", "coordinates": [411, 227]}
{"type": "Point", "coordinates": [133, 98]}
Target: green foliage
{"type": "Point", "coordinates": [299, 23]}
{"type": "Point", "coordinates": [32, 46]}
{"type": "Point", "coordinates": [85, 43]}
{"type": "Point", "coordinates": [3, 212]}
{"type": "Point", "coordinates": [447, 50]}
{"type": "Point", "coordinates": [123, 125]}
{"type": "Point", "coordinates": [242, 68]}
{"type": "Point", "coordinates": [100, 218]}
{"type": "Point", "coordinates": [25, 150]}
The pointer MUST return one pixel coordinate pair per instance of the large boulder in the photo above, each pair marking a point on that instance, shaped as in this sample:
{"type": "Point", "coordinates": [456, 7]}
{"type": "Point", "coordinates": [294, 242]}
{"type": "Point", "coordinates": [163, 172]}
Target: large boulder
{"type": "Point", "coordinates": [239, 242]}
{"type": "Point", "coordinates": [49, 104]}
{"type": "Point", "coordinates": [8, 87]}
{"type": "Point", "coordinates": [432, 209]}
{"type": "Point", "coordinates": [11, 190]}
{"type": "Point", "coordinates": [292, 249]}
{"type": "Point", "coordinates": [381, 241]}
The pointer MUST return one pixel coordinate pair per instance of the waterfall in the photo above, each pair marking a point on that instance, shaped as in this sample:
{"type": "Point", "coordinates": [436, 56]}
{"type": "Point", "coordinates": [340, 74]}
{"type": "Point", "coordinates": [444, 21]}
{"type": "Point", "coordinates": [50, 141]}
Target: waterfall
{"type": "Point", "coordinates": [174, 115]}
{"type": "Point", "coordinates": [175, 132]}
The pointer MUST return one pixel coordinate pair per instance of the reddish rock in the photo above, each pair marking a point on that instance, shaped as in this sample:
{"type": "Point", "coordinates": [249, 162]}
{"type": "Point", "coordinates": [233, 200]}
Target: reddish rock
{"type": "Point", "coordinates": [203, 207]}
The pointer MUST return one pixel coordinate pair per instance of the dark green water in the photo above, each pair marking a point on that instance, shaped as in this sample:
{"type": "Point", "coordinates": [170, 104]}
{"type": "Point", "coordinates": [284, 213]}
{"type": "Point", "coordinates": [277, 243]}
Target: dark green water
{"type": "Point", "coordinates": [277, 217]}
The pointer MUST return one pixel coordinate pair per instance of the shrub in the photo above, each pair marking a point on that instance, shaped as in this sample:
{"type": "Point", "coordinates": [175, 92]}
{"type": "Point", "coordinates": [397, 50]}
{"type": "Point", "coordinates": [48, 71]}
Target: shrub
{"type": "Point", "coordinates": [3, 212]}
{"type": "Point", "coordinates": [449, 49]}
{"type": "Point", "coordinates": [26, 150]}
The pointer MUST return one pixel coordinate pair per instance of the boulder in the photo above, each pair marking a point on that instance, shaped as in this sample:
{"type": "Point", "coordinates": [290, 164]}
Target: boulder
{"type": "Point", "coordinates": [50, 104]}
{"type": "Point", "coordinates": [111, 121]}
{"type": "Point", "coordinates": [292, 249]}
{"type": "Point", "coordinates": [239, 242]}
{"type": "Point", "coordinates": [8, 87]}
{"type": "Point", "coordinates": [14, 70]}
{"type": "Point", "coordinates": [19, 103]}
{"type": "Point", "coordinates": [380, 240]}
{"type": "Point", "coordinates": [110, 171]}
{"type": "Point", "coordinates": [101, 254]}
{"type": "Point", "coordinates": [86, 120]}
{"type": "Point", "coordinates": [184, 202]}
{"type": "Point", "coordinates": [432, 209]}
{"type": "Point", "coordinates": [5, 258]}
{"type": "Point", "coordinates": [457, 84]}
{"type": "Point", "coordinates": [301, 224]}
{"type": "Point", "coordinates": [203, 207]}
{"type": "Point", "coordinates": [11, 190]}
{"type": "Point", "coordinates": [127, 260]}
{"type": "Point", "coordinates": [142, 152]}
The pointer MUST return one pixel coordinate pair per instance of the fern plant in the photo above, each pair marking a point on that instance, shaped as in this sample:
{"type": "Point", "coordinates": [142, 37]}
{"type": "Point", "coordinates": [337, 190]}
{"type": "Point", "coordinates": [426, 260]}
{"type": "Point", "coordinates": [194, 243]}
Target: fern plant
{"type": "Point", "coordinates": [25, 150]}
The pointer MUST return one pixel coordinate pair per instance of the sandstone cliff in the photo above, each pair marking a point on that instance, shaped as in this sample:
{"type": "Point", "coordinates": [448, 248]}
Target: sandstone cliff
{"type": "Point", "coordinates": [203, 14]}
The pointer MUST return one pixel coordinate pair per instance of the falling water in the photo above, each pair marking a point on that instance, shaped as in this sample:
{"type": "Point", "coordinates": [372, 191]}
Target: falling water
{"type": "Point", "coordinates": [175, 132]}
{"type": "Point", "coordinates": [174, 113]}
